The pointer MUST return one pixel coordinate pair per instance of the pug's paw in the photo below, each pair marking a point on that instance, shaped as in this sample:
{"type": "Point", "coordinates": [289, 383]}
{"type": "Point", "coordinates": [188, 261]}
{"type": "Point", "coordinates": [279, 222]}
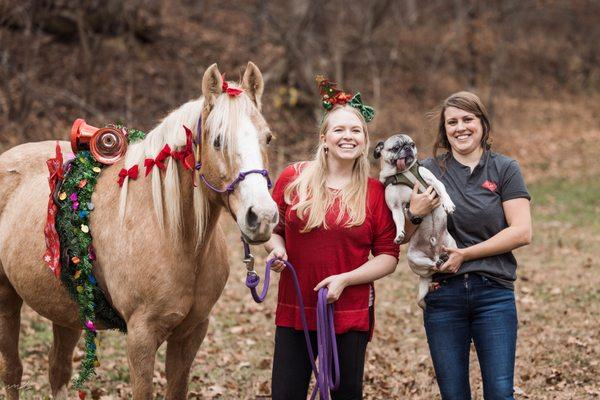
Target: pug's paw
{"type": "Point", "coordinates": [448, 206]}
{"type": "Point", "coordinates": [399, 238]}
{"type": "Point", "coordinates": [441, 260]}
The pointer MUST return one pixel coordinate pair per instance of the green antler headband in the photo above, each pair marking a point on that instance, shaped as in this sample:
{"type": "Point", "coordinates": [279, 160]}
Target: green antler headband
{"type": "Point", "coordinates": [331, 96]}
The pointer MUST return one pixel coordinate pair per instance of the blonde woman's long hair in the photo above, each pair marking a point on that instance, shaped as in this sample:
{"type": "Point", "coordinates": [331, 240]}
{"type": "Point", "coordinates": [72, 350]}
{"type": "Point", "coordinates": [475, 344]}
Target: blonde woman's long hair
{"type": "Point", "coordinates": [309, 188]}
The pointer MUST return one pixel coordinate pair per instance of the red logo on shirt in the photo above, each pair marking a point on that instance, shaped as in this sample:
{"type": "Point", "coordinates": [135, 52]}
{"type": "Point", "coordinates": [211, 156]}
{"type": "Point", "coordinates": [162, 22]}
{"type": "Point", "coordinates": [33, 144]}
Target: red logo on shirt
{"type": "Point", "coordinates": [489, 185]}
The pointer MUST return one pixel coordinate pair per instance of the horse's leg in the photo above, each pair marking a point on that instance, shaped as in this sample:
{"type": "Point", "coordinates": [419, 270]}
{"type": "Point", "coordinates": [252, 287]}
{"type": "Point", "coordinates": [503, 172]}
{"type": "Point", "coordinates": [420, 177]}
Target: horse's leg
{"type": "Point", "coordinates": [11, 369]}
{"type": "Point", "coordinates": [142, 344]}
{"type": "Point", "coordinates": [61, 355]}
{"type": "Point", "coordinates": [180, 355]}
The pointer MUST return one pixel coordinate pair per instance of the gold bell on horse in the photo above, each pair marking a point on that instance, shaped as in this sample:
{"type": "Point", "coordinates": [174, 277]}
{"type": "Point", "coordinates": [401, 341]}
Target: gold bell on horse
{"type": "Point", "coordinates": [107, 145]}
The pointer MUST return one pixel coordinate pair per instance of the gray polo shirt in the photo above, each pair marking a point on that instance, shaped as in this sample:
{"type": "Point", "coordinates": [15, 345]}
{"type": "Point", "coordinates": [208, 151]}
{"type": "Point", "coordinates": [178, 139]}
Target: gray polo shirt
{"type": "Point", "coordinates": [478, 197]}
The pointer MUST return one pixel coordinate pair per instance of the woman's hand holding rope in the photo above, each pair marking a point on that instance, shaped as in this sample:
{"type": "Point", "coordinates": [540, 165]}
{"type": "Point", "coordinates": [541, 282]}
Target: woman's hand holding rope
{"type": "Point", "coordinates": [335, 285]}
{"type": "Point", "coordinates": [279, 254]}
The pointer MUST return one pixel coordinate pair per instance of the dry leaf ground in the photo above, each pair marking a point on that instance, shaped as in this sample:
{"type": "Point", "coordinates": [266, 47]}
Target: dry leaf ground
{"type": "Point", "coordinates": [558, 295]}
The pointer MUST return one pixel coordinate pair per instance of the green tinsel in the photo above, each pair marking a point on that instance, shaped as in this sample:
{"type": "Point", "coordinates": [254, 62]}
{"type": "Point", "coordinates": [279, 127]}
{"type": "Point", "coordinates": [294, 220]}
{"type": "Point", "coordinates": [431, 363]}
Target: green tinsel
{"type": "Point", "coordinates": [133, 135]}
{"type": "Point", "coordinates": [77, 252]}
{"type": "Point", "coordinates": [75, 204]}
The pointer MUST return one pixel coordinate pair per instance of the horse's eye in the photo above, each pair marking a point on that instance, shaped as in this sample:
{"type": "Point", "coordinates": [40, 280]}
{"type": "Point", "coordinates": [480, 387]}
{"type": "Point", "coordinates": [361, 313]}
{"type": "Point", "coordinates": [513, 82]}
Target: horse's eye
{"type": "Point", "coordinates": [217, 143]}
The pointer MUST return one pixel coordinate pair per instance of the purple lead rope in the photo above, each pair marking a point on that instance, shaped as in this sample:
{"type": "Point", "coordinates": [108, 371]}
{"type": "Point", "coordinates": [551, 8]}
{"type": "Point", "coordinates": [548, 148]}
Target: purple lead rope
{"type": "Point", "coordinates": [326, 343]}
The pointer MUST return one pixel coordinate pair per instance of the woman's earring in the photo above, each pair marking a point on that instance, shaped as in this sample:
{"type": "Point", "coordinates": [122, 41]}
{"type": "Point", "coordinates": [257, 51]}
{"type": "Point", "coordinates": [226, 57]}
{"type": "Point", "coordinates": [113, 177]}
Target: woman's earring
{"type": "Point", "coordinates": [326, 149]}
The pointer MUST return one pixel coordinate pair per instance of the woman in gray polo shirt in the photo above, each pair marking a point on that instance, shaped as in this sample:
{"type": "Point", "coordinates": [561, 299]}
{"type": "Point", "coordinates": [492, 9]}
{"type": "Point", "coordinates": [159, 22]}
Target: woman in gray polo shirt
{"type": "Point", "coordinates": [472, 297]}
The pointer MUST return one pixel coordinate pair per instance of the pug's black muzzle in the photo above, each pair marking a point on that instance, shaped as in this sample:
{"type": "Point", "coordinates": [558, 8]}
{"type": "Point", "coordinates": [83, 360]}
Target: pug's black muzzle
{"type": "Point", "coordinates": [405, 153]}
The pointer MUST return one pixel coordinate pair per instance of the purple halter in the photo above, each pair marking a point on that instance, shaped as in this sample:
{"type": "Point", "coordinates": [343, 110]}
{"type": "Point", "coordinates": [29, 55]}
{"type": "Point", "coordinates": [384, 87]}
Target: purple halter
{"type": "Point", "coordinates": [241, 176]}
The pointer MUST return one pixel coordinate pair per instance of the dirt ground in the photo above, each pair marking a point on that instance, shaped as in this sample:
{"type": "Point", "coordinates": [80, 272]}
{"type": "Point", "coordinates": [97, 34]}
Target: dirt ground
{"type": "Point", "coordinates": [558, 299]}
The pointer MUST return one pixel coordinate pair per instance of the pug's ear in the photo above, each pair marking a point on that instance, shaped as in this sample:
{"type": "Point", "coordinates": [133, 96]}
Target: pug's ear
{"type": "Point", "coordinates": [377, 150]}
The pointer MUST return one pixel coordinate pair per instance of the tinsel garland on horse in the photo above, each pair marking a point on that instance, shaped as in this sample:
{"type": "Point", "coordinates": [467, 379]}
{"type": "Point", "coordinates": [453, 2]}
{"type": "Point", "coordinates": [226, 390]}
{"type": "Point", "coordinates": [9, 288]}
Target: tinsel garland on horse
{"type": "Point", "coordinates": [160, 255]}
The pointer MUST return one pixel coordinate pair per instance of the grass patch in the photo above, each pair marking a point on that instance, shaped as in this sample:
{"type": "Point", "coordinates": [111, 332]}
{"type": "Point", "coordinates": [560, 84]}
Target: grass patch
{"type": "Point", "coordinates": [574, 203]}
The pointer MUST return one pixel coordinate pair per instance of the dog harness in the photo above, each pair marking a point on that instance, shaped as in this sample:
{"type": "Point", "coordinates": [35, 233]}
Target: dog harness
{"type": "Point", "coordinates": [408, 178]}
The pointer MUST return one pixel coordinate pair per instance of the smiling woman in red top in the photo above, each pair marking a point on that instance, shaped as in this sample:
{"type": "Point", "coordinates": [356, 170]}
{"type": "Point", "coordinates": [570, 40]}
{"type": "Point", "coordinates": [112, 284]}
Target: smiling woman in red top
{"type": "Point", "coordinates": [332, 215]}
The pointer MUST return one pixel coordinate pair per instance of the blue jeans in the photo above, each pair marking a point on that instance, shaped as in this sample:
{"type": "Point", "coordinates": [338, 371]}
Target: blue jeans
{"type": "Point", "coordinates": [472, 307]}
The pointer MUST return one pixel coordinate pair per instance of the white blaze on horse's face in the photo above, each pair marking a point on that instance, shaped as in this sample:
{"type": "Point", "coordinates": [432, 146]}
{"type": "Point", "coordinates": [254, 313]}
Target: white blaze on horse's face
{"type": "Point", "coordinates": [255, 211]}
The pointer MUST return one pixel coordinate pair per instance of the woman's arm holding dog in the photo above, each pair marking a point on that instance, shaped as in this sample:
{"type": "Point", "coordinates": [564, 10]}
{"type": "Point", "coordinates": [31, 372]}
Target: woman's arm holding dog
{"type": "Point", "coordinates": [517, 234]}
{"type": "Point", "coordinates": [421, 204]}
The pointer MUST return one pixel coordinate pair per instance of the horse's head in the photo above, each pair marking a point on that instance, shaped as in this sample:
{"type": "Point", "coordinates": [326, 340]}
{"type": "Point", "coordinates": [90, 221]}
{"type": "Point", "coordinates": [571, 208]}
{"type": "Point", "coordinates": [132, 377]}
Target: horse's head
{"type": "Point", "coordinates": [234, 155]}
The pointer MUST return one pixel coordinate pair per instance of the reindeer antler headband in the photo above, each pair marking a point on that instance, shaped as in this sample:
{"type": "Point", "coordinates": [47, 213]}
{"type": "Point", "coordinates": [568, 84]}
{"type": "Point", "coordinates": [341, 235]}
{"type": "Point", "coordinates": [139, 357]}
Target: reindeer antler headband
{"type": "Point", "coordinates": [332, 96]}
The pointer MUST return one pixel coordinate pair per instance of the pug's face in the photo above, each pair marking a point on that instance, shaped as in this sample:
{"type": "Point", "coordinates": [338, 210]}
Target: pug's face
{"type": "Point", "coordinates": [398, 152]}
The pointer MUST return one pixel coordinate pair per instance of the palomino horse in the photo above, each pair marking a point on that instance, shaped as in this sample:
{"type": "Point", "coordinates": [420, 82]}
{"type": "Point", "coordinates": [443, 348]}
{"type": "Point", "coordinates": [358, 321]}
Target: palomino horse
{"type": "Point", "coordinates": [161, 256]}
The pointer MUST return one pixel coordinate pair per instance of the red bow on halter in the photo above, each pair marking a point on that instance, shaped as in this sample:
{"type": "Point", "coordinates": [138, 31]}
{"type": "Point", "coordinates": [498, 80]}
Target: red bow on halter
{"type": "Point", "coordinates": [159, 161]}
{"type": "Point", "coordinates": [131, 173]}
{"type": "Point", "coordinates": [231, 91]}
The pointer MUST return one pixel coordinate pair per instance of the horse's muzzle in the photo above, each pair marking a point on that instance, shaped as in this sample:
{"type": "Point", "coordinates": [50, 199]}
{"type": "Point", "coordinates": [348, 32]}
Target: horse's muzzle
{"type": "Point", "coordinates": [259, 224]}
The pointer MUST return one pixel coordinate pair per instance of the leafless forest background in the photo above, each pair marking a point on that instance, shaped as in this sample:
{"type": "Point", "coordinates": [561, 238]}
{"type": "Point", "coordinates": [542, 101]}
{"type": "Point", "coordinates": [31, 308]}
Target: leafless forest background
{"type": "Point", "coordinates": [535, 63]}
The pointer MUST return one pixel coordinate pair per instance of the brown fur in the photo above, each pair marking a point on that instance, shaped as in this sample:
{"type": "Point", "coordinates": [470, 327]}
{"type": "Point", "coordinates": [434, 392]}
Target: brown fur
{"type": "Point", "coordinates": [164, 290]}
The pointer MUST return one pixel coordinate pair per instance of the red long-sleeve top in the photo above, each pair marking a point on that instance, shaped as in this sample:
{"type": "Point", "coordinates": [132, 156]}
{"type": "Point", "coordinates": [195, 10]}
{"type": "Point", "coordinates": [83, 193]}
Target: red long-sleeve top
{"type": "Point", "coordinates": [323, 252]}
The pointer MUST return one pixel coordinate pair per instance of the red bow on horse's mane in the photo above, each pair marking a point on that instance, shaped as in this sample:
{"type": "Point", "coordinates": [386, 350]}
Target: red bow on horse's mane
{"type": "Point", "coordinates": [159, 160]}
{"type": "Point", "coordinates": [231, 91]}
{"type": "Point", "coordinates": [131, 173]}
{"type": "Point", "coordinates": [187, 154]}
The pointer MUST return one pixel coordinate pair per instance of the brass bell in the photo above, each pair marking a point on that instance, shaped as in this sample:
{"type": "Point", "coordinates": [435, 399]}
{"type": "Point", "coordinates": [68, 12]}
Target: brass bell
{"type": "Point", "coordinates": [107, 145]}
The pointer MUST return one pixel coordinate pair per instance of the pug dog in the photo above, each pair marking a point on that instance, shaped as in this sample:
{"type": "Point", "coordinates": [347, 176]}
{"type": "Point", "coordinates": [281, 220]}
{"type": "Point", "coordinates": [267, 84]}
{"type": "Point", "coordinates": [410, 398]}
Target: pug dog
{"type": "Point", "coordinates": [399, 172]}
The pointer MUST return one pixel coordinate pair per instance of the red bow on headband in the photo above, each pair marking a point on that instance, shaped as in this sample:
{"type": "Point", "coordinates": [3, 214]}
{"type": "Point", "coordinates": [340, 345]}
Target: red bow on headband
{"type": "Point", "coordinates": [231, 91]}
{"type": "Point", "coordinates": [131, 173]}
{"type": "Point", "coordinates": [159, 161]}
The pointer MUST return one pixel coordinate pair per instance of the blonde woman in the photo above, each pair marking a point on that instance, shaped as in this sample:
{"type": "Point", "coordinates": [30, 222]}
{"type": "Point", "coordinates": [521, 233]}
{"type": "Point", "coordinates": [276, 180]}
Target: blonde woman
{"type": "Point", "coordinates": [332, 215]}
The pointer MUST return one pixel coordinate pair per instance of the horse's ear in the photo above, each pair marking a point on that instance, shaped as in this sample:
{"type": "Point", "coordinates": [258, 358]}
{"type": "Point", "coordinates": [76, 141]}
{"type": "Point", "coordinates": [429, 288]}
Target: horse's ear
{"type": "Point", "coordinates": [253, 84]}
{"type": "Point", "coordinates": [212, 85]}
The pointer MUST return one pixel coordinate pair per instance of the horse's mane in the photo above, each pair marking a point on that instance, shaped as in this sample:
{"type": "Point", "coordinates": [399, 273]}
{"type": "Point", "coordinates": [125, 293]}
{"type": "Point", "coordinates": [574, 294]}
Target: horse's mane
{"type": "Point", "coordinates": [222, 124]}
